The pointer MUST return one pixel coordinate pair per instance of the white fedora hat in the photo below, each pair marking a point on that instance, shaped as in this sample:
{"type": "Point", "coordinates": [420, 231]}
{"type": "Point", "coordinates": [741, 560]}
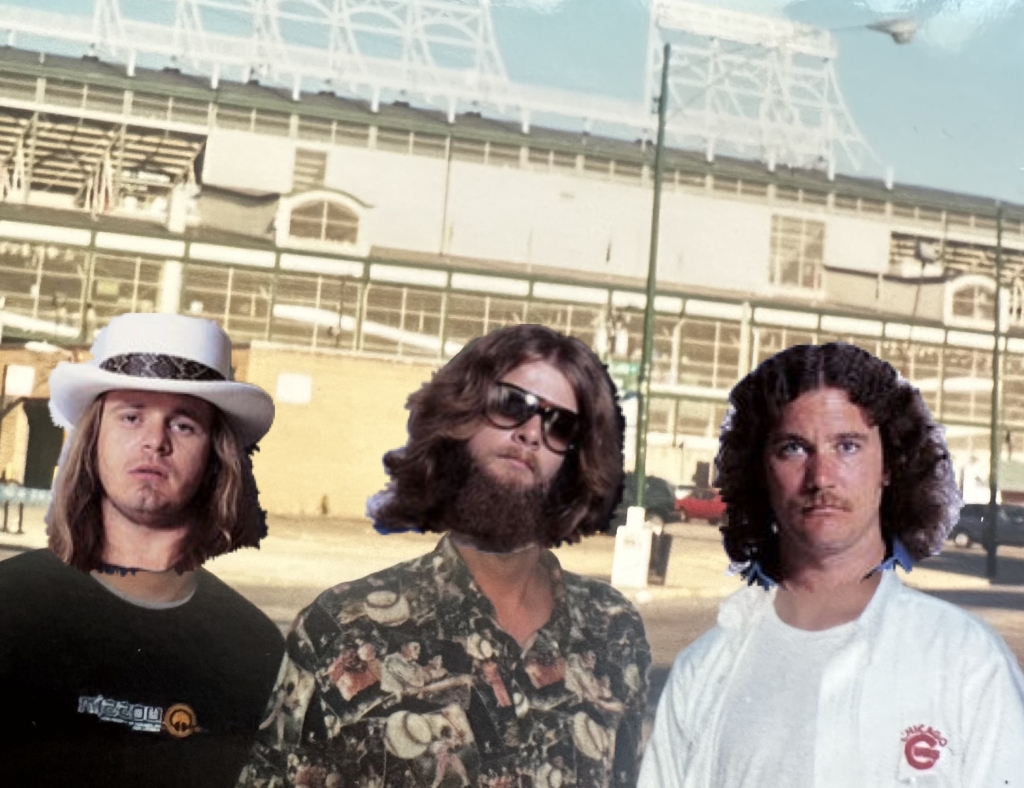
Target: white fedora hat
{"type": "Point", "coordinates": [174, 354]}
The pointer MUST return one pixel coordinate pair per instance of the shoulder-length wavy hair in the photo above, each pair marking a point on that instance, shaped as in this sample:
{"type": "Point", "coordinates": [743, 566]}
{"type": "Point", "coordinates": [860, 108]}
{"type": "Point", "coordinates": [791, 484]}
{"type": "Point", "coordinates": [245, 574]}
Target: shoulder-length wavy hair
{"type": "Point", "coordinates": [921, 501]}
{"type": "Point", "coordinates": [225, 512]}
{"type": "Point", "coordinates": [446, 411]}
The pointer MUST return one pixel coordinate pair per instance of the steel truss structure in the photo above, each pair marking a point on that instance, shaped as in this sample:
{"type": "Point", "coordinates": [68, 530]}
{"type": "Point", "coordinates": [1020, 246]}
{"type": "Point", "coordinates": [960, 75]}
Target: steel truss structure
{"type": "Point", "coordinates": [100, 163]}
{"type": "Point", "coordinates": [741, 84]}
{"type": "Point", "coordinates": [752, 87]}
{"type": "Point", "coordinates": [441, 53]}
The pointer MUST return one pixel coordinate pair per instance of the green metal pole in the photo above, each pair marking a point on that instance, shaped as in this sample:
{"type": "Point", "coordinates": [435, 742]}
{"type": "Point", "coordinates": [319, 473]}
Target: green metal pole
{"type": "Point", "coordinates": [989, 533]}
{"type": "Point", "coordinates": [644, 379]}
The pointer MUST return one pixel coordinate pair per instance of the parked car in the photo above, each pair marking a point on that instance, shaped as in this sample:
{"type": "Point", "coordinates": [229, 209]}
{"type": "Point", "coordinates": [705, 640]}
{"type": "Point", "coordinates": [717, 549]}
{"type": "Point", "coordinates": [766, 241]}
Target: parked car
{"type": "Point", "coordinates": [659, 501]}
{"type": "Point", "coordinates": [970, 529]}
{"type": "Point", "coordinates": [701, 504]}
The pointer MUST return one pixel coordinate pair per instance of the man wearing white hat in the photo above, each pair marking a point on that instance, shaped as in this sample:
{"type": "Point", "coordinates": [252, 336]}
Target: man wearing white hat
{"type": "Point", "coordinates": [122, 662]}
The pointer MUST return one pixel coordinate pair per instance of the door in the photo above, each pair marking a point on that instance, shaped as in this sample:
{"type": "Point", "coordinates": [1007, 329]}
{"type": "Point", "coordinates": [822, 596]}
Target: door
{"type": "Point", "coordinates": [44, 443]}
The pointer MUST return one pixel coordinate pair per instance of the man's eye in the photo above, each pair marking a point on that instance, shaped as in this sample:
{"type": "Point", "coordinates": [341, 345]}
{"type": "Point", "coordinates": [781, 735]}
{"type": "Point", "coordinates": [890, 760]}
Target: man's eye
{"type": "Point", "coordinates": [791, 449]}
{"type": "Point", "coordinates": [184, 426]}
{"type": "Point", "coordinates": [848, 447]}
{"type": "Point", "coordinates": [129, 418]}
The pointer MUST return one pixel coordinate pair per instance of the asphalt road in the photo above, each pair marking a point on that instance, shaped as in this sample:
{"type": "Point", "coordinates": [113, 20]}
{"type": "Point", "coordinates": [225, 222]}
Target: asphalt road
{"type": "Point", "coordinates": [301, 558]}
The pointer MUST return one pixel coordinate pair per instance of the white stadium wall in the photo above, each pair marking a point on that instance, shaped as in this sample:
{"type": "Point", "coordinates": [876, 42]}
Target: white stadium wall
{"type": "Point", "coordinates": [716, 243]}
{"type": "Point", "coordinates": [561, 221]}
{"type": "Point", "coordinates": [544, 219]}
{"type": "Point", "coordinates": [248, 162]}
{"type": "Point", "coordinates": [857, 244]}
{"type": "Point", "coordinates": [404, 195]}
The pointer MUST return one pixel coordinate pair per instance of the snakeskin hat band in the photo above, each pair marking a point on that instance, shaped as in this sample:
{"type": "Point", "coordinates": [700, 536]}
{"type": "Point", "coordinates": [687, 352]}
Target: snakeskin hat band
{"type": "Point", "coordinates": [174, 354]}
{"type": "Point", "coordinates": [159, 365]}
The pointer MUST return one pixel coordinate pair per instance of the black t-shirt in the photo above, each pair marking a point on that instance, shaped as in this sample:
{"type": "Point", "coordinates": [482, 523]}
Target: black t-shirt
{"type": "Point", "coordinates": [95, 690]}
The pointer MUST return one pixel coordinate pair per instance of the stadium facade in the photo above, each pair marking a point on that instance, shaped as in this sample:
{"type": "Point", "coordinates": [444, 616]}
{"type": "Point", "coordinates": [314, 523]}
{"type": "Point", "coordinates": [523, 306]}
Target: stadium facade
{"type": "Point", "coordinates": [351, 249]}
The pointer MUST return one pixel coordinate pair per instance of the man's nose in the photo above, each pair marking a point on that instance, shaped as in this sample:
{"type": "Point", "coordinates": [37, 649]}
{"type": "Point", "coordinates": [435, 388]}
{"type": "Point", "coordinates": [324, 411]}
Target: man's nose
{"type": "Point", "coordinates": [529, 432]}
{"type": "Point", "coordinates": [820, 471]}
{"type": "Point", "coordinates": [156, 437]}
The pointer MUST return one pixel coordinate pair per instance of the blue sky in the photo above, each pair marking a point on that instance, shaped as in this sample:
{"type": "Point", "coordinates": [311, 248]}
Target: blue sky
{"type": "Point", "coordinates": [947, 110]}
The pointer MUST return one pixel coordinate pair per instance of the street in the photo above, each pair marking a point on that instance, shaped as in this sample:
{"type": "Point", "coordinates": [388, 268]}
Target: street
{"type": "Point", "coordinates": [302, 557]}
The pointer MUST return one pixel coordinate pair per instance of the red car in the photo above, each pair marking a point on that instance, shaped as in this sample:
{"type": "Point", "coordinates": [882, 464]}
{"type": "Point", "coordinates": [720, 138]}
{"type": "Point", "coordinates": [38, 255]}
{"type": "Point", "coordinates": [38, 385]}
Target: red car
{"type": "Point", "coordinates": [702, 504]}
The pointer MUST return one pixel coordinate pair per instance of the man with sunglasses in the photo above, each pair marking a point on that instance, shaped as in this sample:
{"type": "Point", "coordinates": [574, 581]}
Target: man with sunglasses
{"type": "Point", "coordinates": [515, 447]}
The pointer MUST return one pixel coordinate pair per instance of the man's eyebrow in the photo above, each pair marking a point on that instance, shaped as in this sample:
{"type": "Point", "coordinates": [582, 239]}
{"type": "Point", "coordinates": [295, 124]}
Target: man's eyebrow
{"type": "Point", "coordinates": [189, 412]}
{"type": "Point", "coordinates": [126, 404]}
{"type": "Point", "coordinates": [785, 437]}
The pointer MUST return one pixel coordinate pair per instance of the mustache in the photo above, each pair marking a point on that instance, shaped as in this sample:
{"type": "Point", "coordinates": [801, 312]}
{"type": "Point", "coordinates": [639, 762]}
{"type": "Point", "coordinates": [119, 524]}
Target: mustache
{"type": "Point", "coordinates": [825, 500]}
{"type": "Point", "coordinates": [522, 456]}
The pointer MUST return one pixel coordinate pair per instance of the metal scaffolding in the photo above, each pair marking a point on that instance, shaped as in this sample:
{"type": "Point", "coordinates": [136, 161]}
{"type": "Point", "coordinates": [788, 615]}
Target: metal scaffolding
{"type": "Point", "coordinates": [741, 84]}
{"type": "Point", "coordinates": [753, 87]}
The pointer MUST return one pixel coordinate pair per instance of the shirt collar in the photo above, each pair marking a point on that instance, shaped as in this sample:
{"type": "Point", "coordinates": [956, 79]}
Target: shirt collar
{"type": "Point", "coordinates": [896, 553]}
{"type": "Point", "coordinates": [457, 588]}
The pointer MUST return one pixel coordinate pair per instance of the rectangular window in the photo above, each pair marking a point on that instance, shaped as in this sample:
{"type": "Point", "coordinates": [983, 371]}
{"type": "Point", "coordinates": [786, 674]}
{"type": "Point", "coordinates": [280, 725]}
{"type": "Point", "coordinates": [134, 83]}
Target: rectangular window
{"type": "Point", "coordinates": [310, 166]}
{"type": "Point", "coordinates": [277, 123]}
{"type": "Point", "coordinates": [394, 140]}
{"type": "Point", "coordinates": [318, 129]}
{"type": "Point", "coordinates": [104, 99]}
{"type": "Point", "coordinates": [355, 134]}
{"type": "Point", "coordinates": [502, 155]}
{"type": "Point", "coordinates": [430, 145]}
{"type": "Point", "coordinates": [239, 118]}
{"type": "Point", "coordinates": [469, 150]}
{"type": "Point", "coordinates": [319, 311]}
{"type": "Point", "coordinates": [17, 86]}
{"type": "Point", "coordinates": [65, 93]}
{"type": "Point", "coordinates": [797, 252]}
{"type": "Point", "coordinates": [150, 105]}
{"type": "Point", "coordinates": [189, 111]}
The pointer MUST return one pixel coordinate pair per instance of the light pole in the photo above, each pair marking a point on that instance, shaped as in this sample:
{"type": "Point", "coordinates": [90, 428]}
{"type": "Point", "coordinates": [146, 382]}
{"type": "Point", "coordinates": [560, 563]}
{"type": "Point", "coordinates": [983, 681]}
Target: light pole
{"type": "Point", "coordinates": [989, 535]}
{"type": "Point", "coordinates": [902, 31]}
{"type": "Point", "coordinates": [644, 378]}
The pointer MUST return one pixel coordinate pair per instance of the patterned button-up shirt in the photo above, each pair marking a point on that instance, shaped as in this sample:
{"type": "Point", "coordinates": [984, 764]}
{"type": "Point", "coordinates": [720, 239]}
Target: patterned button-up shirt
{"type": "Point", "coordinates": [405, 678]}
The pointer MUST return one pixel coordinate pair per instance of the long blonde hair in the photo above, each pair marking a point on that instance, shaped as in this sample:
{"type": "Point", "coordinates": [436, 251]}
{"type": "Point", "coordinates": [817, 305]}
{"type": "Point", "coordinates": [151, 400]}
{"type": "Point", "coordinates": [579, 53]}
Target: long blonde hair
{"type": "Point", "coordinates": [226, 511]}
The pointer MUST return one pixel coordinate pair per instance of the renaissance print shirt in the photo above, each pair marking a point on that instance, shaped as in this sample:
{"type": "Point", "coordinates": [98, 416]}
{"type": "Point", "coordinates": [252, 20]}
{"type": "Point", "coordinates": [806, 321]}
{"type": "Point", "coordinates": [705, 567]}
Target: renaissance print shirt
{"type": "Point", "coordinates": [404, 679]}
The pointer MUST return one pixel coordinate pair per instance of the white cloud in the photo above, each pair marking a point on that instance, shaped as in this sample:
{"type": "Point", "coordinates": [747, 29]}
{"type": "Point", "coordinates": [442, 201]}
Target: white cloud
{"type": "Point", "coordinates": [958, 20]}
{"type": "Point", "coordinates": [543, 6]}
{"type": "Point", "coordinates": [948, 24]}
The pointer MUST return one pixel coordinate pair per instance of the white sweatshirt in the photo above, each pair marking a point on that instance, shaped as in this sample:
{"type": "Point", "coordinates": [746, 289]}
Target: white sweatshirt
{"type": "Point", "coordinates": [925, 694]}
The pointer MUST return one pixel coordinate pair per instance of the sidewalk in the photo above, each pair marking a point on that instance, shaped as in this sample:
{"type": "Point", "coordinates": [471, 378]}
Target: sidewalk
{"type": "Point", "coordinates": [300, 558]}
{"type": "Point", "coordinates": [323, 552]}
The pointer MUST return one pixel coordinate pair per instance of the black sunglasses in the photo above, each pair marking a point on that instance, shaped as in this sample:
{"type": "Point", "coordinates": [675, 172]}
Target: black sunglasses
{"type": "Point", "coordinates": [509, 406]}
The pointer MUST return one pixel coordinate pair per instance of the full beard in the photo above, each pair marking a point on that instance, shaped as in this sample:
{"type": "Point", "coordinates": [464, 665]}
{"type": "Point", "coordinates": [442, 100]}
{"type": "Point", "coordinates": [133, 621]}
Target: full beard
{"type": "Point", "coordinates": [496, 517]}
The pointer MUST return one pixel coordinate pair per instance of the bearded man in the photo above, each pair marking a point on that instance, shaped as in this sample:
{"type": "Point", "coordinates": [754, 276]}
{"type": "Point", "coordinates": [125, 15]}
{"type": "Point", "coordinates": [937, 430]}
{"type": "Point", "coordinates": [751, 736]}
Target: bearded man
{"type": "Point", "coordinates": [515, 446]}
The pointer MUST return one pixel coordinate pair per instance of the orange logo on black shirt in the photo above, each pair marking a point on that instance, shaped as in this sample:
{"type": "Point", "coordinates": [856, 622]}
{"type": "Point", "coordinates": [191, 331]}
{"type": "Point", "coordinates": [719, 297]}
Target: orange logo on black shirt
{"type": "Point", "coordinates": [180, 721]}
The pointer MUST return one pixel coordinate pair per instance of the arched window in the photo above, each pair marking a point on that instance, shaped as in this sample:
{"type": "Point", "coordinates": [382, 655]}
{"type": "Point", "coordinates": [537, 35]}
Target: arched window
{"type": "Point", "coordinates": [324, 220]}
{"type": "Point", "coordinates": [970, 301]}
{"type": "Point", "coordinates": [974, 302]}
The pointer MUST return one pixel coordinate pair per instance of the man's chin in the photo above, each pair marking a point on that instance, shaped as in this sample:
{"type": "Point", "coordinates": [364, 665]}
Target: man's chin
{"type": "Point", "coordinates": [157, 515]}
{"type": "Point", "coordinates": [514, 479]}
{"type": "Point", "coordinates": [490, 545]}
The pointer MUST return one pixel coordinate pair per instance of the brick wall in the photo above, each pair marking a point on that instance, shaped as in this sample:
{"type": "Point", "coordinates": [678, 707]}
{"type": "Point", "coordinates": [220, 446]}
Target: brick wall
{"type": "Point", "coordinates": [332, 445]}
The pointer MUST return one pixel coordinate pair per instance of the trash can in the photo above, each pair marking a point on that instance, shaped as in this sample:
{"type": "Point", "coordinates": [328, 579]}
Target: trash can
{"type": "Point", "coordinates": [657, 570]}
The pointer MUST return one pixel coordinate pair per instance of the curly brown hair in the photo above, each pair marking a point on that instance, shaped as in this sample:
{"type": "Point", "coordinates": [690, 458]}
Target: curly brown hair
{"type": "Point", "coordinates": [228, 514]}
{"type": "Point", "coordinates": [920, 504]}
{"type": "Point", "coordinates": [446, 412]}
